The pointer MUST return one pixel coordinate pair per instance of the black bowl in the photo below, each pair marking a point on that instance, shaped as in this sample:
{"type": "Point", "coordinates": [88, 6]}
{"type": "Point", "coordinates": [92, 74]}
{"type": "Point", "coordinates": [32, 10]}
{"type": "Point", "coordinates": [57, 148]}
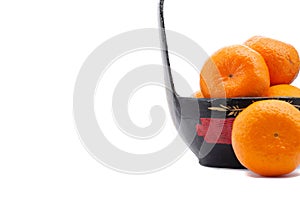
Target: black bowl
{"type": "Point", "coordinates": [205, 124]}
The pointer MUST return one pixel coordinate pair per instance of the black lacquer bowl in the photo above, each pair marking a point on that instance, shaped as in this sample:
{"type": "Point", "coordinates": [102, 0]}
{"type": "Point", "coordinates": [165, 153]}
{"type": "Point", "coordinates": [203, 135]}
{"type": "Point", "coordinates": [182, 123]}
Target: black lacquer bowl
{"type": "Point", "coordinates": [205, 124]}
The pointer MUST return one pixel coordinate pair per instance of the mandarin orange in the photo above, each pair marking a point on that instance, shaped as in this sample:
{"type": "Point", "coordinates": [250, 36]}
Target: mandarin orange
{"type": "Point", "coordinates": [283, 90]}
{"type": "Point", "coordinates": [234, 71]}
{"type": "Point", "coordinates": [282, 59]}
{"type": "Point", "coordinates": [266, 137]}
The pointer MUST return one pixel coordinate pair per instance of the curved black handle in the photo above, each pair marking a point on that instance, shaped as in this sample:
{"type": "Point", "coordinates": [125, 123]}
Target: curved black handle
{"type": "Point", "coordinates": [172, 96]}
{"type": "Point", "coordinates": [165, 53]}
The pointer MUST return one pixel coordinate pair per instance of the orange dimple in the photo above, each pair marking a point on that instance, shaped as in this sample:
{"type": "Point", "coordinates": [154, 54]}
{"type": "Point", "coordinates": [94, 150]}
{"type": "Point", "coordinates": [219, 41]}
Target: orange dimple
{"type": "Point", "coordinates": [282, 59]}
{"type": "Point", "coordinates": [234, 71]}
{"type": "Point", "coordinates": [266, 137]}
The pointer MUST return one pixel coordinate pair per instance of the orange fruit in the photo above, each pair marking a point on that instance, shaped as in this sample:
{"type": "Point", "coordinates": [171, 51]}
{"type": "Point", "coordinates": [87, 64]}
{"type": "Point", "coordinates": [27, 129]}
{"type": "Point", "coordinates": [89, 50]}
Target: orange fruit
{"type": "Point", "coordinates": [234, 71]}
{"type": "Point", "coordinates": [266, 137]}
{"type": "Point", "coordinates": [198, 94]}
{"type": "Point", "coordinates": [282, 59]}
{"type": "Point", "coordinates": [283, 90]}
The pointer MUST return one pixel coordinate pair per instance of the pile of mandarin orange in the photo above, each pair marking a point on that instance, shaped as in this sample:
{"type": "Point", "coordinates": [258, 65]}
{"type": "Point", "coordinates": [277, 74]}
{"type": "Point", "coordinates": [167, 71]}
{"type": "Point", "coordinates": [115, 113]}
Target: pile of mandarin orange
{"type": "Point", "coordinates": [266, 134]}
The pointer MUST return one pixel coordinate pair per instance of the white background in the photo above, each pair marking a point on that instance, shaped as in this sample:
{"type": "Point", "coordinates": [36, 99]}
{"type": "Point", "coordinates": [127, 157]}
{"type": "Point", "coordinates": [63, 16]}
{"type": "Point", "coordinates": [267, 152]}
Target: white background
{"type": "Point", "coordinates": [42, 47]}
